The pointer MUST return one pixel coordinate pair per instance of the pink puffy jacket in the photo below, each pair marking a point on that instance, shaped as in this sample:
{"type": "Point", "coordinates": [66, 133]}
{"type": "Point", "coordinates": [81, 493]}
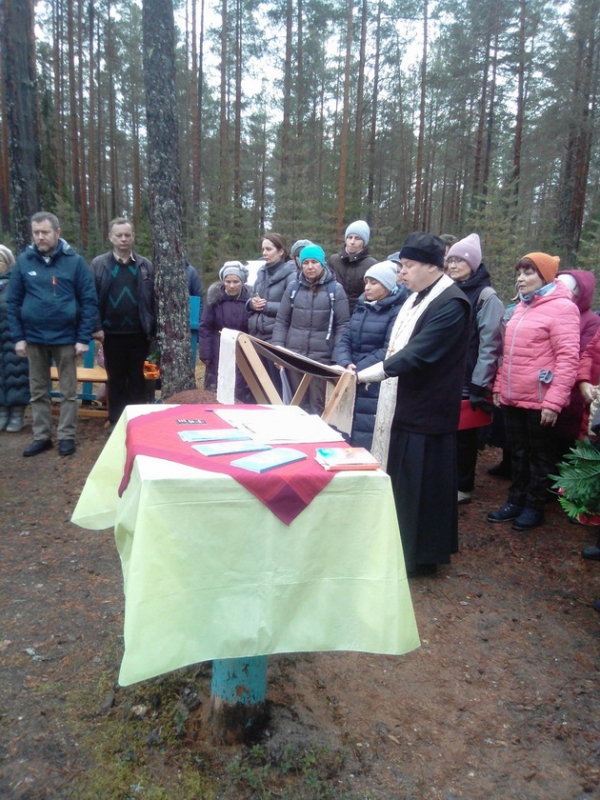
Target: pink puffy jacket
{"type": "Point", "coordinates": [542, 342]}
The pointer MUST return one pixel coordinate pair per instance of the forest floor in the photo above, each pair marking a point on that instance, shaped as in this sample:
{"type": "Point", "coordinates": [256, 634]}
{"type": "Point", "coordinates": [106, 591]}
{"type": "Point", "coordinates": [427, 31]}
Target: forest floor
{"type": "Point", "coordinates": [500, 701]}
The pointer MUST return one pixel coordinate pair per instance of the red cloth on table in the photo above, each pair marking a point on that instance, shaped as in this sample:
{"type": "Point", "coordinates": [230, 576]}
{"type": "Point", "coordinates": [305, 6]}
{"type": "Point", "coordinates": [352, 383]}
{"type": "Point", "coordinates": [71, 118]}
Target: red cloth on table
{"type": "Point", "coordinates": [286, 490]}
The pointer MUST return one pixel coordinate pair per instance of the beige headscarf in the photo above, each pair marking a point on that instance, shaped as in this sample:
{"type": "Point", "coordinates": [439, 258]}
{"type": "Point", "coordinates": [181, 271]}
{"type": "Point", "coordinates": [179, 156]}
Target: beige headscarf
{"type": "Point", "coordinates": [7, 256]}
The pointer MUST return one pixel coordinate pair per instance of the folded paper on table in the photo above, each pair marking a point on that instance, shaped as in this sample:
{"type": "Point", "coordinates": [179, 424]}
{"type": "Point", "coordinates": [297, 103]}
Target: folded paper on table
{"type": "Point", "coordinates": [280, 425]}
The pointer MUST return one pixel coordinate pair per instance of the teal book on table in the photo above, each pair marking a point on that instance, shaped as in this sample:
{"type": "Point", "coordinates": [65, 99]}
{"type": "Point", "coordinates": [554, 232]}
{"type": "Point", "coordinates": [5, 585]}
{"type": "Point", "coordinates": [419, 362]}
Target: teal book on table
{"type": "Point", "coordinates": [213, 435]}
{"type": "Point", "coordinates": [229, 448]}
{"type": "Point", "coordinates": [262, 462]}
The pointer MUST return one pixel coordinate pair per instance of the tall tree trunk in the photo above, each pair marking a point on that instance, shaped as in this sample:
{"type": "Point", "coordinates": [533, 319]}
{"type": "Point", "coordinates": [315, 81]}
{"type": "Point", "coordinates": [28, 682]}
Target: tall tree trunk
{"type": "Point", "coordinates": [237, 143]}
{"type": "Point", "coordinates": [73, 119]}
{"type": "Point", "coordinates": [137, 172]}
{"type": "Point", "coordinates": [360, 100]}
{"type": "Point", "coordinates": [57, 17]}
{"type": "Point", "coordinates": [92, 117]}
{"type": "Point", "coordinates": [341, 206]}
{"type": "Point", "coordinates": [224, 133]}
{"type": "Point", "coordinates": [164, 196]}
{"type": "Point", "coordinates": [520, 113]}
{"type": "Point", "coordinates": [4, 162]}
{"type": "Point", "coordinates": [83, 213]}
{"type": "Point", "coordinates": [421, 140]}
{"type": "Point", "coordinates": [18, 52]}
{"type": "Point", "coordinates": [477, 167]}
{"type": "Point", "coordinates": [199, 138]}
{"type": "Point", "coordinates": [195, 119]}
{"type": "Point", "coordinates": [374, 108]}
{"type": "Point", "coordinates": [286, 125]}
{"type": "Point", "coordinates": [576, 163]}
{"type": "Point", "coordinates": [112, 120]}
{"type": "Point", "coordinates": [300, 72]}
{"type": "Point", "coordinates": [491, 120]}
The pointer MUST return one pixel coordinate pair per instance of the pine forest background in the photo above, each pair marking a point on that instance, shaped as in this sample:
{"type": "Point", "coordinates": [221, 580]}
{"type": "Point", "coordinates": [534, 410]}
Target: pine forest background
{"type": "Point", "coordinates": [302, 115]}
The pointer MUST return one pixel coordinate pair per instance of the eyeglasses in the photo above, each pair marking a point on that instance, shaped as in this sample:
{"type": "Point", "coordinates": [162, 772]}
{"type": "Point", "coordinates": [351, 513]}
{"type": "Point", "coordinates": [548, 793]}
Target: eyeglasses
{"type": "Point", "coordinates": [452, 261]}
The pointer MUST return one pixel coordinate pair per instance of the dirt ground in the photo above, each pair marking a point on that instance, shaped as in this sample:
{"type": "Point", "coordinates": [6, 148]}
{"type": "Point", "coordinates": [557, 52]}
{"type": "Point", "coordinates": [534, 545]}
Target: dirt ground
{"type": "Point", "coordinates": [500, 701]}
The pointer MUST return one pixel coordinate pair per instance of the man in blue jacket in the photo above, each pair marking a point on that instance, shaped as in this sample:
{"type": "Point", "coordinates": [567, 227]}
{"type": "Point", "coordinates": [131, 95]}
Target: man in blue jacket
{"type": "Point", "coordinates": [52, 308]}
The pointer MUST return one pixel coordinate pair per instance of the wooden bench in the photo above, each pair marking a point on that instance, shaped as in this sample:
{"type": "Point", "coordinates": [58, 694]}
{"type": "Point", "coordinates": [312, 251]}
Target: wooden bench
{"type": "Point", "coordinates": [91, 373]}
{"type": "Point", "coordinates": [87, 375]}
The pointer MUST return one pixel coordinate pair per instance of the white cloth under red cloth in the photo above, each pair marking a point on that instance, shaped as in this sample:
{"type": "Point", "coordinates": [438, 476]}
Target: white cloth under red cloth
{"type": "Point", "coordinates": [286, 491]}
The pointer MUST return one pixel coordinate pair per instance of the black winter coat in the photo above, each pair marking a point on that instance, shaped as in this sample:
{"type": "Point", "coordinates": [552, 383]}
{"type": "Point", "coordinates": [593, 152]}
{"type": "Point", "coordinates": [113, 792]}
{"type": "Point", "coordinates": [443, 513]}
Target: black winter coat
{"type": "Point", "coordinates": [350, 271]}
{"type": "Point", "coordinates": [14, 370]}
{"type": "Point", "coordinates": [364, 343]}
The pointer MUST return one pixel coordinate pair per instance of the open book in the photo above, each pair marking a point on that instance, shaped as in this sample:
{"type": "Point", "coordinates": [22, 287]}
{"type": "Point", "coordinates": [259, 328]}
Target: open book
{"type": "Point", "coordinates": [341, 458]}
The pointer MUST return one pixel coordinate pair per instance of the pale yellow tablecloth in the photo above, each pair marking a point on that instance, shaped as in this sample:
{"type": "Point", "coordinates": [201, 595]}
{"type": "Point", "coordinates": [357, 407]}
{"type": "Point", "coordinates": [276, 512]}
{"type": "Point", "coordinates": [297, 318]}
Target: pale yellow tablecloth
{"type": "Point", "coordinates": [209, 572]}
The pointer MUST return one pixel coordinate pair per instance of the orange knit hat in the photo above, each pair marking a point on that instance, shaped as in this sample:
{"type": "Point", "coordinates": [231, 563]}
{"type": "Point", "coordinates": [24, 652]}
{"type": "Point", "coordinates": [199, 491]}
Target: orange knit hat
{"type": "Point", "coordinates": [546, 265]}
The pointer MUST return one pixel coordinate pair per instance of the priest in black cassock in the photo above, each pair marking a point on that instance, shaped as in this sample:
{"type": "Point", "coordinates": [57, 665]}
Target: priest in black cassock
{"type": "Point", "coordinates": [419, 404]}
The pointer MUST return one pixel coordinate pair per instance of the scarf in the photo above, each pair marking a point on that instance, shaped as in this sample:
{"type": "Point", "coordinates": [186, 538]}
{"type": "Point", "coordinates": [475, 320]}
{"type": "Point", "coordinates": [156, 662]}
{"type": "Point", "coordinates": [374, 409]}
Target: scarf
{"type": "Point", "coordinates": [546, 289]}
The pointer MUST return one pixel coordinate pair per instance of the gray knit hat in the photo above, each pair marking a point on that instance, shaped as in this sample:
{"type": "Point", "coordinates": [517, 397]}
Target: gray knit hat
{"type": "Point", "coordinates": [297, 246]}
{"type": "Point", "coordinates": [360, 228]}
{"type": "Point", "coordinates": [233, 268]}
{"type": "Point", "coordinates": [384, 272]}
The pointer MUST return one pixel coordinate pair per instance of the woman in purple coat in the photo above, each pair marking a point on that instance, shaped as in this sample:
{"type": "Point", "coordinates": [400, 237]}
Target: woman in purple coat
{"type": "Point", "coordinates": [225, 307]}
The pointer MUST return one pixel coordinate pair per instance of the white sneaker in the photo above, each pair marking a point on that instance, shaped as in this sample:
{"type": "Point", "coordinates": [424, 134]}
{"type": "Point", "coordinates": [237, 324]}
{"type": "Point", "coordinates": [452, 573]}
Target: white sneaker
{"type": "Point", "coordinates": [464, 498]}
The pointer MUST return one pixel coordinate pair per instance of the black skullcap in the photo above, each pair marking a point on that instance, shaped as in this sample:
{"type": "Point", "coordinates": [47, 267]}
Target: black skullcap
{"type": "Point", "coordinates": [424, 247]}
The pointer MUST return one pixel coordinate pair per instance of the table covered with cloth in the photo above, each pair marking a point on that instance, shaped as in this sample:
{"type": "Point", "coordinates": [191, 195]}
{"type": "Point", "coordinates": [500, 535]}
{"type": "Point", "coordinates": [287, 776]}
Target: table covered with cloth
{"type": "Point", "coordinates": [211, 572]}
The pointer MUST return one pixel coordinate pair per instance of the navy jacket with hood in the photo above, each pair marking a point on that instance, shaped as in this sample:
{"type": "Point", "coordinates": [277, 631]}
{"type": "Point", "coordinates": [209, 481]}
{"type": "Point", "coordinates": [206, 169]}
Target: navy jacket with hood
{"type": "Point", "coordinates": [54, 302]}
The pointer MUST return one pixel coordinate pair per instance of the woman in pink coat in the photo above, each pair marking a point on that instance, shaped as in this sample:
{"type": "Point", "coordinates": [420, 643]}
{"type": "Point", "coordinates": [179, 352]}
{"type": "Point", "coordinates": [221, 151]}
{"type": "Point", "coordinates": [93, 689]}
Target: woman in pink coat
{"type": "Point", "coordinates": [541, 354]}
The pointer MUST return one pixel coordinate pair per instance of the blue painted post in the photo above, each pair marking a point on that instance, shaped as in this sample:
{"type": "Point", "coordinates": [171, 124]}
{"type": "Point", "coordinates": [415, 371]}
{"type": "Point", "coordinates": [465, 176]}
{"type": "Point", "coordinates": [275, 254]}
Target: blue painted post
{"type": "Point", "coordinates": [238, 698]}
{"type": "Point", "coordinates": [195, 308]}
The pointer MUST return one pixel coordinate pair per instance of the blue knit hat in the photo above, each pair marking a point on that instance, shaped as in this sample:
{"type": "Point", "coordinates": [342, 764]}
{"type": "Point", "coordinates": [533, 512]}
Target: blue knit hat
{"type": "Point", "coordinates": [313, 251]}
{"type": "Point", "coordinates": [360, 228]}
{"type": "Point", "coordinates": [384, 272]}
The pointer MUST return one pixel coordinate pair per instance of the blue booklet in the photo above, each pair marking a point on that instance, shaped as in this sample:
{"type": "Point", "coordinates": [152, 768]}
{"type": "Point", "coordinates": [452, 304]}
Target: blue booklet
{"type": "Point", "coordinates": [213, 435]}
{"type": "Point", "coordinates": [228, 448]}
{"type": "Point", "coordinates": [262, 462]}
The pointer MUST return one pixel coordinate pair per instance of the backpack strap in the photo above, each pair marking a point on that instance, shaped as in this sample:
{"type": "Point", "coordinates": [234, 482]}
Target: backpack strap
{"type": "Point", "coordinates": [485, 295]}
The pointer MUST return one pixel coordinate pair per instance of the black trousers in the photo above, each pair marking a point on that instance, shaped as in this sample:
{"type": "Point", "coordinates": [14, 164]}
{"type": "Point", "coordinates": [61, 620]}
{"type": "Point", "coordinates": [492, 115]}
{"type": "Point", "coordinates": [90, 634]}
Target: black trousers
{"type": "Point", "coordinates": [466, 452]}
{"type": "Point", "coordinates": [533, 456]}
{"type": "Point", "coordinates": [124, 357]}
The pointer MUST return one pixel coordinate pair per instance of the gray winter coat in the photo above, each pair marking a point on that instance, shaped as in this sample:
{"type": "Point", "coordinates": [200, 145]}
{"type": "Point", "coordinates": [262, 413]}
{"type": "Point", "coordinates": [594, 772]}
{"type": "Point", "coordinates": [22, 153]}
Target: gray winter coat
{"type": "Point", "coordinates": [271, 284]}
{"type": "Point", "coordinates": [312, 323]}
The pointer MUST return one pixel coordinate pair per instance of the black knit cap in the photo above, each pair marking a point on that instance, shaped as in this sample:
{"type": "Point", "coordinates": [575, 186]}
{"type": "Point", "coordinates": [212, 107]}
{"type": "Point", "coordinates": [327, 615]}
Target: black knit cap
{"type": "Point", "coordinates": [424, 247]}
